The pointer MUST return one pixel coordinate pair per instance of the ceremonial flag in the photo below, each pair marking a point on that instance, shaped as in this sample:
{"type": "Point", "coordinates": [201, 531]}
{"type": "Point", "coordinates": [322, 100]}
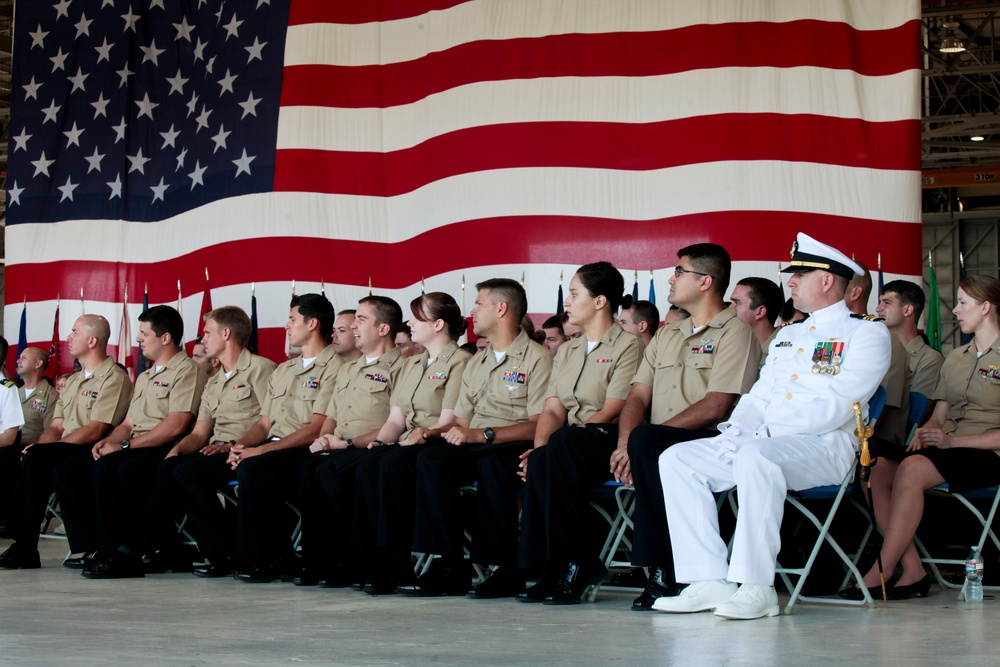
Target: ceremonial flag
{"type": "Point", "coordinates": [881, 276]}
{"type": "Point", "coordinates": [560, 308]}
{"type": "Point", "coordinates": [55, 347]}
{"type": "Point", "coordinates": [933, 326]}
{"type": "Point", "coordinates": [142, 363]}
{"type": "Point", "coordinates": [635, 286]}
{"type": "Point", "coordinates": [22, 334]}
{"type": "Point", "coordinates": [252, 340]}
{"type": "Point", "coordinates": [342, 139]}
{"type": "Point", "coordinates": [206, 308]}
{"type": "Point", "coordinates": [652, 288]}
{"type": "Point", "coordinates": [125, 339]}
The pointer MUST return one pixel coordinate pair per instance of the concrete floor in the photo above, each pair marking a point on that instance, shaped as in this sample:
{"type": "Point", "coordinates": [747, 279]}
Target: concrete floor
{"type": "Point", "coordinates": [53, 616]}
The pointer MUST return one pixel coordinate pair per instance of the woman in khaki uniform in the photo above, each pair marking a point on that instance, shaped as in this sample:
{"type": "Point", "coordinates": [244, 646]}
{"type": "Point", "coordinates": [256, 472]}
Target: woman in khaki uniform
{"type": "Point", "coordinates": [959, 444]}
{"type": "Point", "coordinates": [577, 431]}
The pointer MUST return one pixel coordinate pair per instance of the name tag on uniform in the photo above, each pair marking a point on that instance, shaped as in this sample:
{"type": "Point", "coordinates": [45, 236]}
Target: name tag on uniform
{"type": "Point", "coordinates": [376, 377]}
{"type": "Point", "coordinates": [515, 376]}
{"type": "Point", "coordinates": [991, 374]}
{"type": "Point", "coordinates": [311, 383]}
{"type": "Point", "coordinates": [89, 393]}
{"type": "Point", "coordinates": [603, 361]}
{"type": "Point", "coordinates": [437, 376]}
{"type": "Point", "coordinates": [784, 343]}
{"type": "Point", "coordinates": [157, 383]}
{"type": "Point", "coordinates": [37, 406]}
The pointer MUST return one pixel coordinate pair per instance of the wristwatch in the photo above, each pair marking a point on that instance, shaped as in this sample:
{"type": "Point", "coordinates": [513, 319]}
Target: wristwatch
{"type": "Point", "coordinates": [350, 443]}
{"type": "Point", "coordinates": [489, 434]}
{"type": "Point", "coordinates": [126, 444]}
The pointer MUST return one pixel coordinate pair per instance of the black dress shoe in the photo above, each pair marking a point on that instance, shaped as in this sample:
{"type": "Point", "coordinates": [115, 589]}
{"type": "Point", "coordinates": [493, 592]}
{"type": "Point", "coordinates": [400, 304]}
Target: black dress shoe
{"type": "Point", "coordinates": [16, 558]}
{"type": "Point", "coordinates": [115, 566]}
{"type": "Point", "coordinates": [221, 568]}
{"type": "Point", "coordinates": [657, 587]}
{"type": "Point", "coordinates": [439, 581]}
{"type": "Point", "coordinates": [168, 561]}
{"type": "Point", "coordinates": [309, 576]}
{"type": "Point", "coordinates": [282, 570]}
{"type": "Point", "coordinates": [79, 562]}
{"type": "Point", "coordinates": [543, 588]}
{"type": "Point", "coordinates": [504, 582]}
{"type": "Point", "coordinates": [634, 578]}
{"type": "Point", "coordinates": [382, 583]}
{"type": "Point", "coordinates": [855, 593]}
{"type": "Point", "coordinates": [578, 583]}
{"type": "Point", "coordinates": [918, 589]}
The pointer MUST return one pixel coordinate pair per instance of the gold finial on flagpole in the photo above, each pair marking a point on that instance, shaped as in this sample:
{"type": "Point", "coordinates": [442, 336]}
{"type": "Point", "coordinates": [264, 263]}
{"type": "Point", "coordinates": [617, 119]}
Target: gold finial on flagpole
{"type": "Point", "coordinates": [961, 260]}
{"type": "Point", "coordinates": [930, 259]}
{"type": "Point", "coordinates": [522, 278]}
{"type": "Point", "coordinates": [253, 287]}
{"type": "Point", "coordinates": [880, 261]}
{"type": "Point", "coordinates": [206, 274]}
{"type": "Point", "coordinates": [369, 285]}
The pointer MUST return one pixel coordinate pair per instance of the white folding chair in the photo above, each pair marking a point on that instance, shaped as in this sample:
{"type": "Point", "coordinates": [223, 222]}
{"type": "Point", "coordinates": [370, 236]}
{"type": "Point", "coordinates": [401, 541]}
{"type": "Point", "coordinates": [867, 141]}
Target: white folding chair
{"type": "Point", "coordinates": [965, 498]}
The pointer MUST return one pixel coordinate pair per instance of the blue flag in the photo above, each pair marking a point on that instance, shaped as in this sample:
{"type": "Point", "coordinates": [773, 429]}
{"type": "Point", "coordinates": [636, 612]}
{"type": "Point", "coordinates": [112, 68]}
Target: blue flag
{"type": "Point", "coordinates": [559, 301]}
{"type": "Point", "coordinates": [652, 291]}
{"type": "Point", "coordinates": [22, 336]}
{"type": "Point", "coordinates": [252, 340]}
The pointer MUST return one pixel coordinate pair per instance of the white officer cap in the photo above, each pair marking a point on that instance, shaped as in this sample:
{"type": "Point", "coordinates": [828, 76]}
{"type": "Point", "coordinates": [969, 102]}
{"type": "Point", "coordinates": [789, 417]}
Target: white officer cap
{"type": "Point", "coordinates": [808, 254]}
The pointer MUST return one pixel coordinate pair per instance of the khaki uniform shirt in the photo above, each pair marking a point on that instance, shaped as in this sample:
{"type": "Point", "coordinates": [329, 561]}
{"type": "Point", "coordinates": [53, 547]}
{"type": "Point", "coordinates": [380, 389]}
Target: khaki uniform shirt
{"type": "Point", "coordinates": [232, 405]}
{"type": "Point", "coordinates": [682, 366]}
{"type": "Point", "coordinates": [103, 397]}
{"type": "Point", "coordinates": [295, 393]}
{"type": "Point", "coordinates": [360, 402]}
{"type": "Point", "coordinates": [971, 387]}
{"type": "Point", "coordinates": [925, 365]}
{"type": "Point", "coordinates": [505, 393]}
{"type": "Point", "coordinates": [423, 391]}
{"type": "Point", "coordinates": [38, 409]}
{"type": "Point", "coordinates": [892, 424]}
{"type": "Point", "coordinates": [583, 382]}
{"type": "Point", "coordinates": [177, 387]}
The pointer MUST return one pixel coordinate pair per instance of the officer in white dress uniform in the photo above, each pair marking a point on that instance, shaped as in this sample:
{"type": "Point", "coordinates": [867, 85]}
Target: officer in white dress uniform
{"type": "Point", "coordinates": [794, 430]}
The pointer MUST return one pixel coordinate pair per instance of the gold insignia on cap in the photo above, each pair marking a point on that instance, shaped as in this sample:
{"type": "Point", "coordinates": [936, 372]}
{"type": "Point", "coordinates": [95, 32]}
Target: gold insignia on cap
{"type": "Point", "coordinates": [795, 248]}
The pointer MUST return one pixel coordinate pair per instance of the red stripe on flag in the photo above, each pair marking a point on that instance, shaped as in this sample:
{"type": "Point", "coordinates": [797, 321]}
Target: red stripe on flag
{"type": "Point", "coordinates": [363, 11]}
{"type": "Point", "coordinates": [806, 43]}
{"type": "Point", "coordinates": [635, 147]}
{"type": "Point", "coordinates": [747, 235]}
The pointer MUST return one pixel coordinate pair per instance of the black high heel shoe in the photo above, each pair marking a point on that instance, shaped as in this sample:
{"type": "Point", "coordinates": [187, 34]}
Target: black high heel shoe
{"type": "Point", "coordinates": [918, 589]}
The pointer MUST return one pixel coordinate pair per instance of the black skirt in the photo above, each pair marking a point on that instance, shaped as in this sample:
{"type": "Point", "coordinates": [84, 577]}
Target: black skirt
{"type": "Point", "coordinates": [964, 469]}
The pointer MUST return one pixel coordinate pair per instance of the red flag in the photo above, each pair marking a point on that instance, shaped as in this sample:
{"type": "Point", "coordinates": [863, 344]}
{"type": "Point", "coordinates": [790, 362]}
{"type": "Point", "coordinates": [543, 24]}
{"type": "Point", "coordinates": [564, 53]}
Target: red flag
{"type": "Point", "coordinates": [55, 361]}
{"type": "Point", "coordinates": [125, 340]}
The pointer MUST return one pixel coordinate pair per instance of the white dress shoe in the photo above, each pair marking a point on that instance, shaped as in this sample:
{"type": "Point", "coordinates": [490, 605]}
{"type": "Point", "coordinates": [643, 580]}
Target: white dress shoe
{"type": "Point", "coordinates": [699, 596]}
{"type": "Point", "coordinates": [751, 601]}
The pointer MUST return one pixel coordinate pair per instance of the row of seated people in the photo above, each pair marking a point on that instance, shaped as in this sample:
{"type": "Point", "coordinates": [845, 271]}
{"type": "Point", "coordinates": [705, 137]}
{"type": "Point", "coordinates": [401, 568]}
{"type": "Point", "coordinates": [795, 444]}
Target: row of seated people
{"type": "Point", "coordinates": [374, 447]}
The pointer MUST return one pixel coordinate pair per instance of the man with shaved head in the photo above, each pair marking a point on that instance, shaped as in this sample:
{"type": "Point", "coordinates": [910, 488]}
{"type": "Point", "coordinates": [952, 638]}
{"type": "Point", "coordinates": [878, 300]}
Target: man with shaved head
{"type": "Point", "coordinates": [94, 402]}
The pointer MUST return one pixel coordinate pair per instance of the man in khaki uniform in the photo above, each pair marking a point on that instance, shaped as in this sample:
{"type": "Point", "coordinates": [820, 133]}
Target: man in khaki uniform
{"type": "Point", "coordinates": [641, 319]}
{"type": "Point", "coordinates": [503, 391]}
{"type": "Point", "coordinates": [37, 402]}
{"type": "Point", "coordinates": [229, 406]}
{"type": "Point", "coordinates": [94, 401]}
{"type": "Point", "coordinates": [890, 431]}
{"type": "Point", "coordinates": [332, 519]}
{"type": "Point", "coordinates": [267, 457]}
{"type": "Point", "coordinates": [901, 304]}
{"type": "Point", "coordinates": [342, 340]}
{"type": "Point", "coordinates": [38, 396]}
{"type": "Point", "coordinates": [757, 301]}
{"type": "Point", "coordinates": [690, 377]}
{"type": "Point", "coordinates": [105, 496]}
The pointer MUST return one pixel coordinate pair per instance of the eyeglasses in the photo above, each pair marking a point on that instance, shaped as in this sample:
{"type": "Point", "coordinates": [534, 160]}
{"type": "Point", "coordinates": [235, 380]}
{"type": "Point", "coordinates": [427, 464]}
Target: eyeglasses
{"type": "Point", "coordinates": [680, 271]}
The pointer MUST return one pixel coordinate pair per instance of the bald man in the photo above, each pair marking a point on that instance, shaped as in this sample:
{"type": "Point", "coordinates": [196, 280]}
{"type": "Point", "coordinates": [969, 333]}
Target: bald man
{"type": "Point", "coordinates": [94, 402]}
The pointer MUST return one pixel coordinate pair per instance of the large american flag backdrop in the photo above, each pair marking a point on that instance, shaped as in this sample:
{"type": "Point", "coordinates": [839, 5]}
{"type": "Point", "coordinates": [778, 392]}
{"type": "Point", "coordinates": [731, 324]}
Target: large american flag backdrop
{"type": "Point", "coordinates": [333, 142]}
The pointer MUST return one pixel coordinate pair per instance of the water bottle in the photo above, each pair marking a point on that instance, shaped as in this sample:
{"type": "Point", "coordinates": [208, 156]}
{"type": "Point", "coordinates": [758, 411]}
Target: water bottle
{"type": "Point", "coordinates": [974, 576]}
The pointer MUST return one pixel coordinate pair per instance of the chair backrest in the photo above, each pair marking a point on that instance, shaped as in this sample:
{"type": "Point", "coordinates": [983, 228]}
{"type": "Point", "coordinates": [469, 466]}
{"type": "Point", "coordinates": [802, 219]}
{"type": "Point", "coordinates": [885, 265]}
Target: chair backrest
{"type": "Point", "coordinates": [918, 408]}
{"type": "Point", "coordinates": [876, 404]}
